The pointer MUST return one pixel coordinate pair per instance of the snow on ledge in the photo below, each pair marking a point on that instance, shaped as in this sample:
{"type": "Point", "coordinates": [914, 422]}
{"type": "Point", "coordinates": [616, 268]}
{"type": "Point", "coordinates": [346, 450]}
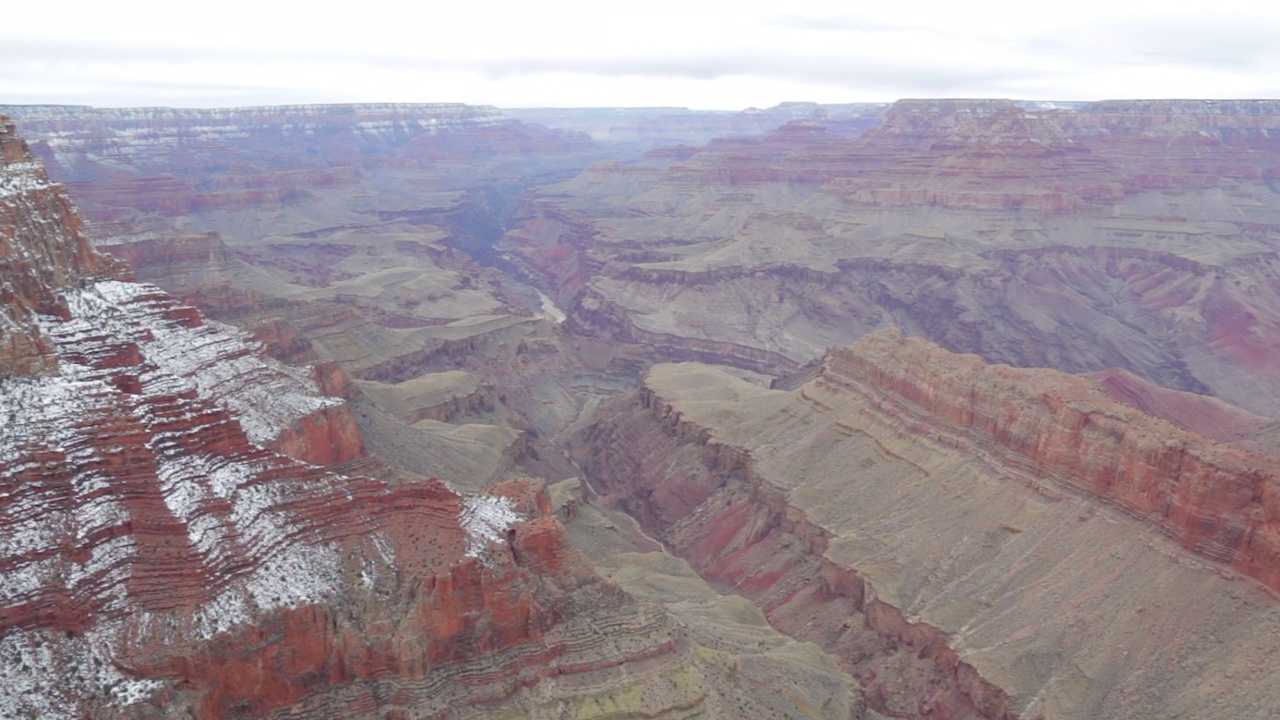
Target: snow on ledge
{"type": "Point", "coordinates": [223, 363]}
{"type": "Point", "coordinates": [486, 520]}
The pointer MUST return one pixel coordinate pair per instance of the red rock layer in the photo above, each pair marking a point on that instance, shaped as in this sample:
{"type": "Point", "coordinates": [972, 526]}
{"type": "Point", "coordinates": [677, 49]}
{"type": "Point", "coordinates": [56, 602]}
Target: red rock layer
{"type": "Point", "coordinates": [141, 531]}
{"type": "Point", "coordinates": [159, 560]}
{"type": "Point", "coordinates": [714, 490]}
{"type": "Point", "coordinates": [702, 497]}
{"type": "Point", "coordinates": [1063, 433]}
{"type": "Point", "coordinates": [41, 249]}
{"type": "Point", "coordinates": [994, 154]}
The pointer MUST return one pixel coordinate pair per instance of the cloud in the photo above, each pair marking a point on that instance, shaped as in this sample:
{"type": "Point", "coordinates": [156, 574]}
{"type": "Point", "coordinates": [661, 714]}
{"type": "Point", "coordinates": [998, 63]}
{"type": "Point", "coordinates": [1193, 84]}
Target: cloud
{"type": "Point", "coordinates": [837, 23]}
{"type": "Point", "coordinates": [576, 54]}
{"type": "Point", "coordinates": [17, 49]}
{"type": "Point", "coordinates": [1222, 42]}
{"type": "Point", "coordinates": [837, 69]}
{"type": "Point", "coordinates": [852, 69]}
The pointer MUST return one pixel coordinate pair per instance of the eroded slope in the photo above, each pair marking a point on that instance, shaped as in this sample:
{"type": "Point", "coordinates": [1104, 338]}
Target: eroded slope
{"type": "Point", "coordinates": [162, 556]}
{"type": "Point", "coordinates": [1135, 235]}
{"type": "Point", "coordinates": [975, 541]}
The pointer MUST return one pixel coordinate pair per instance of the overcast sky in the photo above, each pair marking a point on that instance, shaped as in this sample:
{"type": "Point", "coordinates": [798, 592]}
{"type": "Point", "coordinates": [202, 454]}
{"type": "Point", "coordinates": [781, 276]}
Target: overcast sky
{"type": "Point", "coordinates": [722, 55]}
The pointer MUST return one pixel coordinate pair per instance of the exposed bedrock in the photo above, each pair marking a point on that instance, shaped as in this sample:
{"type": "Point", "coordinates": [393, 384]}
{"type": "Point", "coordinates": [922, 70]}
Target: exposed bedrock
{"type": "Point", "coordinates": [700, 498]}
{"type": "Point", "coordinates": [41, 249]}
{"type": "Point", "coordinates": [1060, 432]}
{"type": "Point", "coordinates": [163, 556]}
{"type": "Point", "coordinates": [1138, 235]}
{"type": "Point", "coordinates": [973, 540]}
{"type": "Point", "coordinates": [160, 562]}
{"type": "Point", "coordinates": [327, 437]}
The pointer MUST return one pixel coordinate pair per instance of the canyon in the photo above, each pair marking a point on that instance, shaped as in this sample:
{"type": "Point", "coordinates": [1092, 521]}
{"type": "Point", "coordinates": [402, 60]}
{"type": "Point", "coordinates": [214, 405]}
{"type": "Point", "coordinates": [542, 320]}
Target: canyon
{"type": "Point", "coordinates": [1139, 236]}
{"type": "Point", "coordinates": [973, 540]}
{"type": "Point", "coordinates": [189, 528]}
{"type": "Point", "coordinates": [940, 409]}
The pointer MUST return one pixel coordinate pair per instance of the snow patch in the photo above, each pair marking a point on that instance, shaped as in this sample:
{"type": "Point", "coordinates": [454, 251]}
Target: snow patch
{"type": "Point", "coordinates": [21, 178]}
{"type": "Point", "coordinates": [486, 520]}
{"type": "Point", "coordinates": [43, 675]}
{"type": "Point", "coordinates": [220, 362]}
{"type": "Point", "coordinates": [550, 311]}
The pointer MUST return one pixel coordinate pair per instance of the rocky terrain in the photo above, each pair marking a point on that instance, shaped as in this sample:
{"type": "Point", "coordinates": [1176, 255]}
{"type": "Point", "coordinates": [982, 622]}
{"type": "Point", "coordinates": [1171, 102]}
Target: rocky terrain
{"type": "Point", "coordinates": [983, 422]}
{"type": "Point", "coordinates": [972, 540]}
{"type": "Point", "coordinates": [181, 535]}
{"type": "Point", "coordinates": [345, 234]}
{"type": "Point", "coordinates": [1135, 235]}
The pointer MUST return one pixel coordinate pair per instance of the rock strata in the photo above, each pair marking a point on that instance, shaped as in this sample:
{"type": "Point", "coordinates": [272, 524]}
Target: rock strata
{"type": "Point", "coordinates": [1133, 235]}
{"type": "Point", "coordinates": [41, 248]}
{"type": "Point", "coordinates": [1059, 432]}
{"type": "Point", "coordinates": [973, 540]}
{"type": "Point", "coordinates": [172, 545]}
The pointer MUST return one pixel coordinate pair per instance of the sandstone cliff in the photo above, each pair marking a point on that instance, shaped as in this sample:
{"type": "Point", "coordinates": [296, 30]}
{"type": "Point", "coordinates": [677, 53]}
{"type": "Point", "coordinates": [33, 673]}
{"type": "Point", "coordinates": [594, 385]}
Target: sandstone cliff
{"type": "Point", "coordinates": [41, 249]}
{"type": "Point", "coordinates": [1060, 432]}
{"type": "Point", "coordinates": [973, 540]}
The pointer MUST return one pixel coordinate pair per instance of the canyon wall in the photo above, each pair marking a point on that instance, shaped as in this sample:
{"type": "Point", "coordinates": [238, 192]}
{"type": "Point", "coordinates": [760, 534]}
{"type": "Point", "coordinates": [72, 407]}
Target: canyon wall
{"type": "Point", "coordinates": [969, 540]}
{"type": "Point", "coordinates": [346, 234]}
{"type": "Point", "coordinates": [173, 545]}
{"type": "Point", "coordinates": [1062, 433]}
{"type": "Point", "coordinates": [1135, 235]}
{"type": "Point", "coordinates": [973, 540]}
{"type": "Point", "coordinates": [41, 248]}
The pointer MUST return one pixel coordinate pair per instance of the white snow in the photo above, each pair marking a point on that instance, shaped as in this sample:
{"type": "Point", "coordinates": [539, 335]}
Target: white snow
{"type": "Point", "coordinates": [234, 512]}
{"type": "Point", "coordinates": [21, 178]}
{"type": "Point", "coordinates": [549, 309]}
{"type": "Point", "coordinates": [42, 673]}
{"type": "Point", "coordinates": [54, 427]}
{"type": "Point", "coordinates": [486, 519]}
{"type": "Point", "coordinates": [220, 362]}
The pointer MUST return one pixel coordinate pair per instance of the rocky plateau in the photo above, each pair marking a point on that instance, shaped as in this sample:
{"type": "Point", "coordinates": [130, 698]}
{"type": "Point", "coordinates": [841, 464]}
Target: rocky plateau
{"type": "Point", "coordinates": [1139, 236]}
{"type": "Point", "coordinates": [971, 540]}
{"type": "Point", "coordinates": [946, 409]}
{"type": "Point", "coordinates": [182, 535]}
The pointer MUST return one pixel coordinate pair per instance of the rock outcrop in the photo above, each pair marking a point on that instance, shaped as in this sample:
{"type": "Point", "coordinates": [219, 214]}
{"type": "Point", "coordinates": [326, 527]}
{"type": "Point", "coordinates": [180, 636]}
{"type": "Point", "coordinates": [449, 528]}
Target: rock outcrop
{"type": "Point", "coordinates": [968, 540]}
{"type": "Point", "coordinates": [162, 555]}
{"type": "Point", "coordinates": [1137, 235]}
{"type": "Point", "coordinates": [974, 540]}
{"type": "Point", "coordinates": [1057, 432]}
{"type": "Point", "coordinates": [41, 249]}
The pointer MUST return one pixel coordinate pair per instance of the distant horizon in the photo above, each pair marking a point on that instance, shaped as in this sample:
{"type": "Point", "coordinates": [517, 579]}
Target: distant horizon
{"type": "Point", "coordinates": [5, 103]}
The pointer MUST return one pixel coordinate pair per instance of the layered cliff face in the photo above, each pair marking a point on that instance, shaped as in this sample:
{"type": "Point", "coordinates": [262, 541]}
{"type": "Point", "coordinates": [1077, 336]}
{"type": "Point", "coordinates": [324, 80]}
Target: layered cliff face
{"type": "Point", "coordinates": [974, 540]}
{"type": "Point", "coordinates": [249, 205]}
{"type": "Point", "coordinates": [1133, 235]}
{"type": "Point", "coordinates": [41, 248]}
{"type": "Point", "coordinates": [339, 233]}
{"type": "Point", "coordinates": [967, 540]}
{"type": "Point", "coordinates": [171, 544]}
